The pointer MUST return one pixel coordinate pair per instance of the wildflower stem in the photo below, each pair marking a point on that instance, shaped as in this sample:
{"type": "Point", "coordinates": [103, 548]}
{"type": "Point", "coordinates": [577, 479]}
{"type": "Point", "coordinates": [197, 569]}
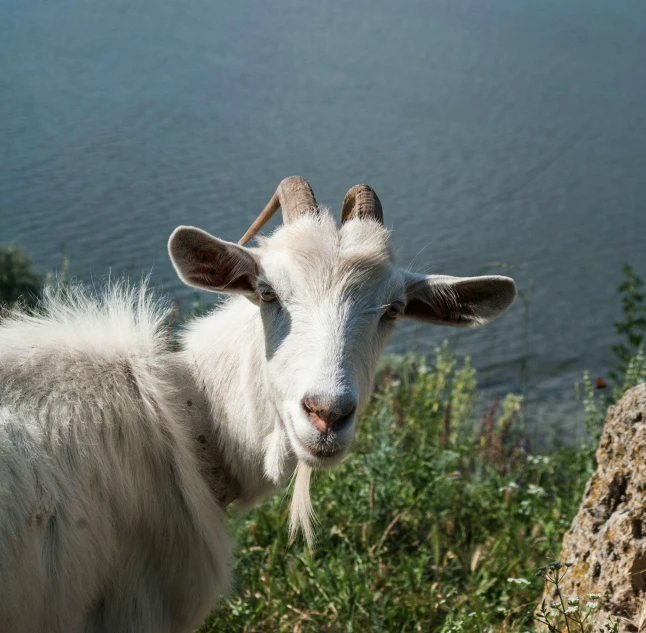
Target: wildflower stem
{"type": "Point", "coordinates": [560, 595]}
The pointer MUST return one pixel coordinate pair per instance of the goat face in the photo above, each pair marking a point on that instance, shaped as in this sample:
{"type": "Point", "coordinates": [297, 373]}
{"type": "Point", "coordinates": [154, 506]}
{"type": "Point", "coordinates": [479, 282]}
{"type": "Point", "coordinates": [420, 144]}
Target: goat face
{"type": "Point", "coordinates": [328, 299]}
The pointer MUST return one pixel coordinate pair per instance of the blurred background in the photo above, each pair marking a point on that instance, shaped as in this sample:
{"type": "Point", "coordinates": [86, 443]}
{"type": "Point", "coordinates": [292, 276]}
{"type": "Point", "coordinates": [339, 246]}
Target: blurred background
{"type": "Point", "coordinates": [501, 136]}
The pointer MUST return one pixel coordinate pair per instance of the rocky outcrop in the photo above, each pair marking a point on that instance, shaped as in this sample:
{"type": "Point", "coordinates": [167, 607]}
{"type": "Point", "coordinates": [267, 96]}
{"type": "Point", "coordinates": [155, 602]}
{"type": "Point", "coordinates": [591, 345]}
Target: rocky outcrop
{"type": "Point", "coordinates": [607, 540]}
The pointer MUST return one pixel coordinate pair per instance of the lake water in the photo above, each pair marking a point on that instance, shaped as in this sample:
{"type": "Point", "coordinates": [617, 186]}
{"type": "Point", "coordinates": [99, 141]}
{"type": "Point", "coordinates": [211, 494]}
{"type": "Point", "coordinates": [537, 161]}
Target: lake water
{"type": "Point", "coordinates": [500, 135]}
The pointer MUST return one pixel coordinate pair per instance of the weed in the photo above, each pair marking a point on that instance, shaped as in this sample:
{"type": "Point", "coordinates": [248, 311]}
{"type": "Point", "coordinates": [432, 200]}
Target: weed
{"type": "Point", "coordinates": [19, 284]}
{"type": "Point", "coordinates": [571, 614]}
{"type": "Point", "coordinates": [633, 326]}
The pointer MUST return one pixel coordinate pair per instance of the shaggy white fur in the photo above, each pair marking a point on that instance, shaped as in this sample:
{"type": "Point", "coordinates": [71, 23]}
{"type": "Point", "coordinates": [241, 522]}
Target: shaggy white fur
{"type": "Point", "coordinates": [105, 522]}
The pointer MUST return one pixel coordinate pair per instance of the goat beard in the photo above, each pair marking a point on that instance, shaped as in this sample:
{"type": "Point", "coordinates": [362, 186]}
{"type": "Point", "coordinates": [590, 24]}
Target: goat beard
{"type": "Point", "coordinates": [301, 513]}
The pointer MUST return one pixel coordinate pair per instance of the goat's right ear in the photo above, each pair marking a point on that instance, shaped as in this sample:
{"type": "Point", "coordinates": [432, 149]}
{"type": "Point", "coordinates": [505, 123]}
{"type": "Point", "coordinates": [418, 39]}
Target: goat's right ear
{"type": "Point", "coordinates": [206, 262]}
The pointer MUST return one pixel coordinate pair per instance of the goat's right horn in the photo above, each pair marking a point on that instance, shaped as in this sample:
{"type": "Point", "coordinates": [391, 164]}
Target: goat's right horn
{"type": "Point", "coordinates": [361, 202]}
{"type": "Point", "coordinates": [294, 196]}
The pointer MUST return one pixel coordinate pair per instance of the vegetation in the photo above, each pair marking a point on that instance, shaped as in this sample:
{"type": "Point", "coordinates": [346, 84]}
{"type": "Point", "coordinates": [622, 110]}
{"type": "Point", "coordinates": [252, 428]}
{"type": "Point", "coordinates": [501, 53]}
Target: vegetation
{"type": "Point", "coordinates": [569, 614]}
{"type": "Point", "coordinates": [435, 523]}
{"type": "Point", "coordinates": [18, 281]}
{"type": "Point", "coordinates": [630, 360]}
{"type": "Point", "coordinates": [632, 329]}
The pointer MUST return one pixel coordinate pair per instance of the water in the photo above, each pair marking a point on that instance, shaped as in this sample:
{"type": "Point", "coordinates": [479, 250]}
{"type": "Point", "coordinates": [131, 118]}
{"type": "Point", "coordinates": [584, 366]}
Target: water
{"type": "Point", "coordinates": [493, 131]}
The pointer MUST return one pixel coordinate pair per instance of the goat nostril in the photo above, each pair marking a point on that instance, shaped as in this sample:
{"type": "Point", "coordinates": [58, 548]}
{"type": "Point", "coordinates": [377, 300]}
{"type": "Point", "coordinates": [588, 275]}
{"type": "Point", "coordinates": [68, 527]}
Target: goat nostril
{"type": "Point", "coordinates": [311, 405]}
{"type": "Point", "coordinates": [348, 411]}
{"type": "Point", "coordinates": [315, 413]}
{"type": "Point", "coordinates": [326, 416]}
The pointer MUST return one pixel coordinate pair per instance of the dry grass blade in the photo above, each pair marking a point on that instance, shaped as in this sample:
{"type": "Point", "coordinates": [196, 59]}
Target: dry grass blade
{"type": "Point", "coordinates": [382, 540]}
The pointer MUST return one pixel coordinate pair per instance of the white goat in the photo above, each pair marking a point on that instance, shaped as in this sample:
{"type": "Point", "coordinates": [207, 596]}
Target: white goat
{"type": "Point", "coordinates": [117, 456]}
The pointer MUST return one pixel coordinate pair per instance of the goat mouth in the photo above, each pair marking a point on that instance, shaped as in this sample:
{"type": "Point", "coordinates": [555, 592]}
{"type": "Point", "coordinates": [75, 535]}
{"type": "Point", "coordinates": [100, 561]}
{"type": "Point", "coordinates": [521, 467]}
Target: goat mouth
{"type": "Point", "coordinates": [322, 452]}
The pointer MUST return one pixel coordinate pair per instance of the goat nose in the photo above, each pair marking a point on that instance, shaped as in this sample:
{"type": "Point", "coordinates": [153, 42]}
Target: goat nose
{"type": "Point", "coordinates": [328, 414]}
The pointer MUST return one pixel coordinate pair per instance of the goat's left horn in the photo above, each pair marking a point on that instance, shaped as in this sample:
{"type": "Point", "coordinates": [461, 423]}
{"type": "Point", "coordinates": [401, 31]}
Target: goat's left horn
{"type": "Point", "coordinates": [361, 202]}
{"type": "Point", "coordinates": [294, 196]}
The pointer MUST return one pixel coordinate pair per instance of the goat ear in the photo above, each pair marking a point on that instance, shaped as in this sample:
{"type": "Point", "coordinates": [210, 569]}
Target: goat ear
{"type": "Point", "coordinates": [457, 301]}
{"type": "Point", "coordinates": [206, 262]}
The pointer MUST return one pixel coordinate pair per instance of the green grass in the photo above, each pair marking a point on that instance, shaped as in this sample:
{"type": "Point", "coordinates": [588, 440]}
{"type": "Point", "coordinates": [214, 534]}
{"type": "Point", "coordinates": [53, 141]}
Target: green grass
{"type": "Point", "coordinates": [421, 528]}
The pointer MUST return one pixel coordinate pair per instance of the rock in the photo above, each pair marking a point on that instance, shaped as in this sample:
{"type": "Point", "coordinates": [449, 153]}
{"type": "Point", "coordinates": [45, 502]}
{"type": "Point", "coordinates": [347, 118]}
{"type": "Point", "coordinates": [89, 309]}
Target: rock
{"type": "Point", "coordinates": [607, 540]}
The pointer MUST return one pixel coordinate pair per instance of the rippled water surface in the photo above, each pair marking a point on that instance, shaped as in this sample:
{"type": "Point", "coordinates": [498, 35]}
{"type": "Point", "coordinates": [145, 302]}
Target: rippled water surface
{"type": "Point", "coordinates": [500, 135]}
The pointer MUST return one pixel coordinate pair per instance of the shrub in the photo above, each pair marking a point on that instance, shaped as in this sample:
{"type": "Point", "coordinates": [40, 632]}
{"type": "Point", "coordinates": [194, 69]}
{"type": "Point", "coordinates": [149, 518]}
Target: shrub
{"type": "Point", "coordinates": [632, 328]}
{"type": "Point", "coordinates": [18, 281]}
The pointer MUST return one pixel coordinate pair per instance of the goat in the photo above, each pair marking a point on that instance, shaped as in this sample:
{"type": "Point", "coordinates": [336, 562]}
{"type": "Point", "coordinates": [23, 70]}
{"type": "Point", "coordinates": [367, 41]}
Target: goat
{"type": "Point", "coordinates": [117, 457]}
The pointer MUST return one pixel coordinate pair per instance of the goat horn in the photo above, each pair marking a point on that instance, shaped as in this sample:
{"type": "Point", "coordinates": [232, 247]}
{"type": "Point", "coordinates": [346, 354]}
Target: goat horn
{"type": "Point", "coordinates": [294, 196]}
{"type": "Point", "coordinates": [361, 202]}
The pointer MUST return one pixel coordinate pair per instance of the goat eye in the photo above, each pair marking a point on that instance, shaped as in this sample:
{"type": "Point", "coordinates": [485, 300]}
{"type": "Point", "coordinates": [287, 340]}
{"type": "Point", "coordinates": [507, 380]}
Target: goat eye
{"type": "Point", "coordinates": [267, 295]}
{"type": "Point", "coordinates": [394, 310]}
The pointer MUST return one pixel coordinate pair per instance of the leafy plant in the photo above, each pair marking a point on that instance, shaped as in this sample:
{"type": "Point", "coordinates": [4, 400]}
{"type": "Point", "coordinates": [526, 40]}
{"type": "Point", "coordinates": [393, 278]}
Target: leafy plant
{"type": "Point", "coordinates": [569, 614]}
{"type": "Point", "coordinates": [630, 369]}
{"type": "Point", "coordinates": [18, 281]}
{"type": "Point", "coordinates": [633, 326]}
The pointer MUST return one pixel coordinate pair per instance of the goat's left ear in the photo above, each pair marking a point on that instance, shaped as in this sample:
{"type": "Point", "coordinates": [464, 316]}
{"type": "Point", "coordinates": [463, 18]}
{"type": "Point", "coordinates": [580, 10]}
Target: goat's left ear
{"type": "Point", "coordinates": [206, 262]}
{"type": "Point", "coordinates": [457, 301]}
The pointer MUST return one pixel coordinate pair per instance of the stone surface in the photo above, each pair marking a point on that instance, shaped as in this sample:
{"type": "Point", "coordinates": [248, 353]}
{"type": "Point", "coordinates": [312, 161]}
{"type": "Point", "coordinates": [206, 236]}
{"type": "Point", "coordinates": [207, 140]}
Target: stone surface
{"type": "Point", "coordinates": [607, 540]}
